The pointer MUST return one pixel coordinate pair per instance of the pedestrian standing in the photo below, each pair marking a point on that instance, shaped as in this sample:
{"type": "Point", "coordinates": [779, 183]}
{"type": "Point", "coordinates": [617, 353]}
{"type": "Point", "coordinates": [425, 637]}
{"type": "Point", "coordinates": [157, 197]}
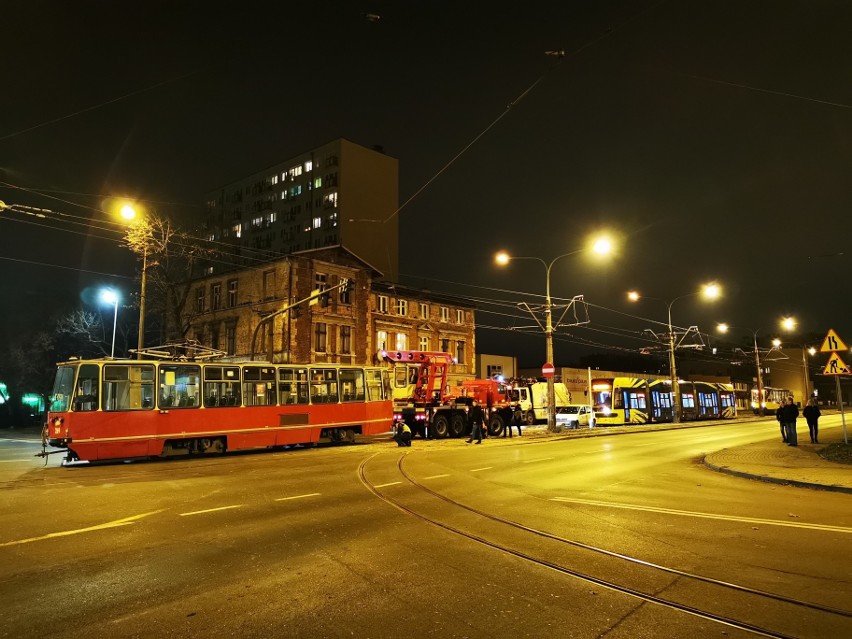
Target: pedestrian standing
{"type": "Point", "coordinates": [779, 413]}
{"type": "Point", "coordinates": [811, 414]}
{"type": "Point", "coordinates": [517, 418]}
{"type": "Point", "coordinates": [789, 414]}
{"type": "Point", "coordinates": [476, 417]}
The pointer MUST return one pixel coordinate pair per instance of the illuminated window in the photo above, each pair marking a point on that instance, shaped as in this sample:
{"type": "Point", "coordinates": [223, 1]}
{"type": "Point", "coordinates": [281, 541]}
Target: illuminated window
{"type": "Point", "coordinates": [295, 171]}
{"type": "Point", "coordinates": [309, 165]}
{"type": "Point", "coordinates": [275, 179]}
{"type": "Point", "coordinates": [317, 222]}
{"type": "Point", "coordinates": [329, 200]}
{"type": "Point", "coordinates": [401, 342]}
{"type": "Point", "coordinates": [382, 340]}
{"type": "Point", "coordinates": [238, 230]}
{"type": "Point", "coordinates": [317, 182]}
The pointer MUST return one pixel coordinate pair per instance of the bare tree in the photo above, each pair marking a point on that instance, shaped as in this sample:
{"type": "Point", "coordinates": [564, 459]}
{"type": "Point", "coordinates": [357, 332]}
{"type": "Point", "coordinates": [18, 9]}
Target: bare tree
{"type": "Point", "coordinates": [170, 257]}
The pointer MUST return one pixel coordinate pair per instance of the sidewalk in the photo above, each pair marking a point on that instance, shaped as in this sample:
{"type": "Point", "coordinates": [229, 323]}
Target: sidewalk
{"type": "Point", "coordinates": [775, 462]}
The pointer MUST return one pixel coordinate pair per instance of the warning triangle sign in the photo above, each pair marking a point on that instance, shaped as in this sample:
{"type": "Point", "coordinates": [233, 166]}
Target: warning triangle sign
{"type": "Point", "coordinates": [836, 366]}
{"type": "Point", "coordinates": [832, 343]}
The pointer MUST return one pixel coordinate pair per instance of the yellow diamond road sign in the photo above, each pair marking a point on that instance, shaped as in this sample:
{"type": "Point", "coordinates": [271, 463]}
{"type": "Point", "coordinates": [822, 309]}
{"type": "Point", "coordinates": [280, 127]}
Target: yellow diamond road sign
{"type": "Point", "coordinates": [832, 343]}
{"type": "Point", "coordinates": [836, 366]}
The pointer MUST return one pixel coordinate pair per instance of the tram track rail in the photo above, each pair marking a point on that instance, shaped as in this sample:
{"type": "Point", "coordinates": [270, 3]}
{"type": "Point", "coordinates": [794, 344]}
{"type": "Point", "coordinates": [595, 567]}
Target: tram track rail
{"type": "Point", "coordinates": [603, 582]}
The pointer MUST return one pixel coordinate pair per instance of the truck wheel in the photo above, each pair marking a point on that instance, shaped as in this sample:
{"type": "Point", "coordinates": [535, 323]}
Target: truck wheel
{"type": "Point", "coordinates": [458, 425]}
{"type": "Point", "coordinates": [440, 427]}
{"type": "Point", "coordinates": [529, 418]}
{"type": "Point", "coordinates": [496, 426]}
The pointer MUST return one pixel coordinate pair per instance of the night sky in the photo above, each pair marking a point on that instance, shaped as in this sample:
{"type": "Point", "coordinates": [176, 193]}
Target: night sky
{"type": "Point", "coordinates": [714, 139]}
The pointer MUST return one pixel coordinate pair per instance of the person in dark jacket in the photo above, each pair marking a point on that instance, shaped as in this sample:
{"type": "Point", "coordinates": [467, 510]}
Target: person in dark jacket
{"type": "Point", "coordinates": [476, 417]}
{"type": "Point", "coordinates": [811, 414]}
{"type": "Point", "coordinates": [779, 412]}
{"type": "Point", "coordinates": [789, 414]}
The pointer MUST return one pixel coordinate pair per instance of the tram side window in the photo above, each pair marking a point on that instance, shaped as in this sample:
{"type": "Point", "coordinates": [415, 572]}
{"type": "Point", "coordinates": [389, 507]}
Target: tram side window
{"type": "Point", "coordinates": [221, 386]}
{"type": "Point", "coordinates": [727, 400]}
{"type": "Point", "coordinates": [400, 377]}
{"type": "Point", "coordinates": [352, 384]}
{"type": "Point", "coordinates": [128, 387]}
{"type": "Point", "coordinates": [293, 386]}
{"type": "Point", "coordinates": [180, 386]}
{"type": "Point", "coordinates": [374, 385]}
{"type": "Point", "coordinates": [86, 391]}
{"type": "Point", "coordinates": [259, 386]}
{"type": "Point", "coordinates": [688, 400]}
{"type": "Point", "coordinates": [637, 401]}
{"type": "Point", "coordinates": [324, 386]}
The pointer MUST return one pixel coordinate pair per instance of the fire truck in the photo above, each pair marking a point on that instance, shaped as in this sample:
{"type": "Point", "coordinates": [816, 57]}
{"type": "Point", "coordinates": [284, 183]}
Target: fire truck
{"type": "Point", "coordinates": [423, 400]}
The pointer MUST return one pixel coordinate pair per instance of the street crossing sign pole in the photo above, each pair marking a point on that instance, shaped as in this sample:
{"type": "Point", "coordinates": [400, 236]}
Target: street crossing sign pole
{"type": "Point", "coordinates": [837, 367]}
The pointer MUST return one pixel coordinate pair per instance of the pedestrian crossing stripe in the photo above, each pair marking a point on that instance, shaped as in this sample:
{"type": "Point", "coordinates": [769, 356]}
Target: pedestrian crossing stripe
{"type": "Point", "coordinates": [832, 342]}
{"type": "Point", "coordinates": [836, 366]}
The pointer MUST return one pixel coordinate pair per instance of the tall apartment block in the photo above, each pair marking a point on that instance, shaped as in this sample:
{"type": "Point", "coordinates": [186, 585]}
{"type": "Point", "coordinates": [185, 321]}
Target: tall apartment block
{"type": "Point", "coordinates": [340, 193]}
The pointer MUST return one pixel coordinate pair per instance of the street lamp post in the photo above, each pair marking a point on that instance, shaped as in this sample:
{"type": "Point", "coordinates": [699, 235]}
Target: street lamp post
{"type": "Point", "coordinates": [789, 324]}
{"type": "Point", "coordinates": [129, 214]}
{"type": "Point", "coordinates": [711, 291]}
{"type": "Point", "coordinates": [109, 296]}
{"type": "Point", "coordinates": [601, 246]}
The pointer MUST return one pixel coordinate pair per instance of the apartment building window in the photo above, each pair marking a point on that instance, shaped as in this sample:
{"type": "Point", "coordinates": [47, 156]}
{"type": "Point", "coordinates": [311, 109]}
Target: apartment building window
{"type": "Point", "coordinates": [345, 292]}
{"type": "Point", "coordinates": [231, 339]}
{"type": "Point", "coordinates": [199, 299]}
{"type": "Point", "coordinates": [346, 340]}
{"type": "Point", "coordinates": [382, 340]}
{"type": "Point", "coordinates": [424, 343]}
{"type": "Point", "coordinates": [268, 285]}
{"type": "Point", "coordinates": [317, 182]}
{"type": "Point", "coordinates": [494, 370]}
{"type": "Point", "coordinates": [232, 293]}
{"type": "Point", "coordinates": [459, 316]}
{"type": "Point", "coordinates": [382, 303]}
{"type": "Point", "coordinates": [402, 307]}
{"type": "Point", "coordinates": [424, 311]}
{"type": "Point", "coordinates": [445, 314]}
{"type": "Point", "coordinates": [445, 345]}
{"type": "Point", "coordinates": [320, 337]}
{"type": "Point", "coordinates": [321, 284]}
{"type": "Point", "coordinates": [401, 342]}
{"type": "Point", "coordinates": [460, 352]}
{"type": "Point", "coordinates": [309, 165]}
{"type": "Point", "coordinates": [216, 296]}
{"type": "Point", "coordinates": [317, 222]}
{"type": "Point", "coordinates": [214, 335]}
{"type": "Point", "coordinates": [238, 230]}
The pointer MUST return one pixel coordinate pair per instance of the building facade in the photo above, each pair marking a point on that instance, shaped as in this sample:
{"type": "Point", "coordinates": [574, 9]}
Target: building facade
{"type": "Point", "coordinates": [340, 193]}
{"type": "Point", "coordinates": [264, 312]}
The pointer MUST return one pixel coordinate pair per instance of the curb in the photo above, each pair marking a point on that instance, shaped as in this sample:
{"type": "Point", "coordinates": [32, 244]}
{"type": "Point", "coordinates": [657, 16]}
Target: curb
{"type": "Point", "coordinates": [776, 480]}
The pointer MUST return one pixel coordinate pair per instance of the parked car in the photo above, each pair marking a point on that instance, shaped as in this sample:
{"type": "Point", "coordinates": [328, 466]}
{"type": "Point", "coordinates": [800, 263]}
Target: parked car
{"type": "Point", "coordinates": [575, 416]}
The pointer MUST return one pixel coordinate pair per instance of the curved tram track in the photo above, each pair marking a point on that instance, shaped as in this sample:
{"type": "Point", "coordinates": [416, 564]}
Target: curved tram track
{"type": "Point", "coordinates": [755, 595]}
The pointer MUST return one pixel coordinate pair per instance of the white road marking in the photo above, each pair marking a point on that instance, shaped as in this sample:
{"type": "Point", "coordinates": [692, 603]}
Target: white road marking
{"type": "Point", "coordinates": [210, 510]}
{"type": "Point", "coordinates": [126, 521]}
{"type": "Point", "coordinates": [298, 497]}
{"type": "Point", "coordinates": [476, 470]}
{"type": "Point", "coordinates": [436, 476]}
{"type": "Point", "coordinates": [393, 483]}
{"type": "Point", "coordinates": [699, 515]}
{"type": "Point", "coordinates": [535, 461]}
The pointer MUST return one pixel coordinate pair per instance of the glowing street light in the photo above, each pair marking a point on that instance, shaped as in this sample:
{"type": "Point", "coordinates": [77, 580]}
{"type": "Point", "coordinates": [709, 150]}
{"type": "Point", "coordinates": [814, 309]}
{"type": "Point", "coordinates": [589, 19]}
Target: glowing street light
{"type": "Point", "coordinates": [129, 214]}
{"type": "Point", "coordinates": [600, 245]}
{"type": "Point", "coordinates": [109, 296]}
{"type": "Point", "coordinates": [789, 324]}
{"type": "Point", "coordinates": [710, 291]}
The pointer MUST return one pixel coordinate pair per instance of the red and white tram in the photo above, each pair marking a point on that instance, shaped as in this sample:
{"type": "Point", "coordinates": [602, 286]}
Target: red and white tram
{"type": "Point", "coordinates": [123, 409]}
